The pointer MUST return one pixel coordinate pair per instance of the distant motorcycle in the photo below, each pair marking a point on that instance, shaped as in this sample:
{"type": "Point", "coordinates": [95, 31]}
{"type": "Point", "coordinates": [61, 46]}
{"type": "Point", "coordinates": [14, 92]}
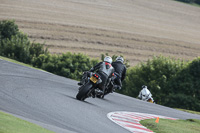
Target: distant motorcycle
{"type": "Point", "coordinates": [148, 98]}
{"type": "Point", "coordinates": [145, 95]}
{"type": "Point", "coordinates": [90, 87]}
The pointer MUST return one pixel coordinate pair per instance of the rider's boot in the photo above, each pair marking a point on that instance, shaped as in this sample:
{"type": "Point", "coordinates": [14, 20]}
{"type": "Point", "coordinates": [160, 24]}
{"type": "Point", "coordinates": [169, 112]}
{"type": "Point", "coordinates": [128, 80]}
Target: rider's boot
{"type": "Point", "coordinates": [99, 92]}
{"type": "Point", "coordinates": [80, 83]}
{"type": "Point", "coordinates": [118, 87]}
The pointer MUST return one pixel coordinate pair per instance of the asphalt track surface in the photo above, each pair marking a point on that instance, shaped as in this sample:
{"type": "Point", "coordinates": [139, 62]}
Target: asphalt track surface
{"type": "Point", "coordinates": [49, 100]}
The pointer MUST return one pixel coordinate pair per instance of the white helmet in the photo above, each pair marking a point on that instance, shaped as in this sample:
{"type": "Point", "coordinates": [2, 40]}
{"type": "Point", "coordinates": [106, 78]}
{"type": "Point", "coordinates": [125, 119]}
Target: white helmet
{"type": "Point", "coordinates": [144, 86]}
{"type": "Point", "coordinates": [108, 59]}
{"type": "Point", "coordinates": [120, 59]}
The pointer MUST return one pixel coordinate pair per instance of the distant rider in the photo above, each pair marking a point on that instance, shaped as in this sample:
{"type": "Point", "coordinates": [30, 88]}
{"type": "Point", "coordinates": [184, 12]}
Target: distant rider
{"type": "Point", "coordinates": [120, 71]}
{"type": "Point", "coordinates": [145, 94]}
{"type": "Point", "coordinates": [104, 69]}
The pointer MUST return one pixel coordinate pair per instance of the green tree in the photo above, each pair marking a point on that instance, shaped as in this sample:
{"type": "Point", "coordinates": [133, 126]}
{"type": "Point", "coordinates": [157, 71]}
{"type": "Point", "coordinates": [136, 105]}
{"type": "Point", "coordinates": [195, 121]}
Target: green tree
{"type": "Point", "coordinates": [17, 47]}
{"type": "Point", "coordinates": [187, 1]}
{"type": "Point", "coordinates": [155, 73]}
{"type": "Point", "coordinates": [8, 28]}
{"type": "Point", "coordinates": [187, 83]}
{"type": "Point", "coordinates": [15, 44]}
{"type": "Point", "coordinates": [184, 101]}
{"type": "Point", "coordinates": [190, 1]}
{"type": "Point", "coordinates": [197, 1]}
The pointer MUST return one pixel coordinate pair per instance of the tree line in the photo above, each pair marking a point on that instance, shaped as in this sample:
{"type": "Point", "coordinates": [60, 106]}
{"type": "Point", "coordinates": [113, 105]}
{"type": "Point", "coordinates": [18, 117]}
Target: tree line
{"type": "Point", "coordinates": [173, 82]}
{"type": "Point", "coordinates": [190, 1]}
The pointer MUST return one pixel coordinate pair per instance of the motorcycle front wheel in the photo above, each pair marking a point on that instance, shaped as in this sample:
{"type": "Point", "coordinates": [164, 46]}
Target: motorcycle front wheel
{"type": "Point", "coordinates": [83, 92]}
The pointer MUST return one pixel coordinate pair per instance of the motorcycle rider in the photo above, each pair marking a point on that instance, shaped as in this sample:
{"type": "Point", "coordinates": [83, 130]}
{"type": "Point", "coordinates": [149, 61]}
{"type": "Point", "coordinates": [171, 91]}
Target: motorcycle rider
{"type": "Point", "coordinates": [145, 94]}
{"type": "Point", "coordinates": [120, 71]}
{"type": "Point", "coordinates": [104, 69]}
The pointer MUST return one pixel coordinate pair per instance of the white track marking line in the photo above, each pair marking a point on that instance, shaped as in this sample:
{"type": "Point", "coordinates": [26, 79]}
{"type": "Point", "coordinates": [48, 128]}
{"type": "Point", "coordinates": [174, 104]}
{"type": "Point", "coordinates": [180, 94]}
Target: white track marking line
{"type": "Point", "coordinates": [130, 120]}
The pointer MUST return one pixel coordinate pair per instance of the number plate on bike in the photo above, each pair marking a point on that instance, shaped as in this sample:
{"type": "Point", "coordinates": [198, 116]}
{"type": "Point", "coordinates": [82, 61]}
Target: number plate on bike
{"type": "Point", "coordinates": [93, 79]}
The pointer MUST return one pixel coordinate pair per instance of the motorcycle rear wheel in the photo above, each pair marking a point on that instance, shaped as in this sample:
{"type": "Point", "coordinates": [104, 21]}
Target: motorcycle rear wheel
{"type": "Point", "coordinates": [83, 92]}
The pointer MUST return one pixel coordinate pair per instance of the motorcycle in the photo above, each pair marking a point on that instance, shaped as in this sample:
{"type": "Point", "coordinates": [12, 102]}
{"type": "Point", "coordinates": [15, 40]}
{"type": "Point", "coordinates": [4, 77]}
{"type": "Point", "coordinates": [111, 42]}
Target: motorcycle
{"type": "Point", "coordinates": [146, 95]}
{"type": "Point", "coordinates": [90, 87]}
{"type": "Point", "coordinates": [147, 99]}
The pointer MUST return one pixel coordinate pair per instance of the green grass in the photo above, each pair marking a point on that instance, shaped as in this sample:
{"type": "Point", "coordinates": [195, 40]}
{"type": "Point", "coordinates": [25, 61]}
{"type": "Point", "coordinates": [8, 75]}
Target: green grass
{"type": "Point", "coordinates": [17, 62]}
{"type": "Point", "coordinates": [189, 111]}
{"type": "Point", "coordinates": [11, 124]}
{"type": "Point", "coordinates": [14, 61]}
{"type": "Point", "coordinates": [172, 126]}
{"type": "Point", "coordinates": [194, 4]}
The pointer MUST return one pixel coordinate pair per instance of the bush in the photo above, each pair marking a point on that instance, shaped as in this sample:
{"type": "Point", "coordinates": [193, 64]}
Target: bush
{"type": "Point", "coordinates": [173, 83]}
{"type": "Point", "coordinates": [187, 82]}
{"type": "Point", "coordinates": [156, 74]}
{"type": "Point", "coordinates": [37, 49]}
{"type": "Point", "coordinates": [187, 1]}
{"type": "Point", "coordinates": [17, 47]}
{"type": "Point", "coordinates": [190, 1]}
{"type": "Point", "coordinates": [68, 65]}
{"type": "Point", "coordinates": [8, 28]}
{"type": "Point", "coordinates": [197, 1]}
{"type": "Point", "coordinates": [183, 101]}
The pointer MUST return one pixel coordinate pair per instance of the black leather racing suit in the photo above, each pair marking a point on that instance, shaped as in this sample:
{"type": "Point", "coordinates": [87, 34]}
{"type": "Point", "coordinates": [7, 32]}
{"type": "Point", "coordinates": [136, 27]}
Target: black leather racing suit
{"type": "Point", "coordinates": [105, 70]}
{"type": "Point", "coordinates": [120, 72]}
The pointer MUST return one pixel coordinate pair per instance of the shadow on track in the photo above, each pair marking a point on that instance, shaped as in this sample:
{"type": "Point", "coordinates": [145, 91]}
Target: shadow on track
{"type": "Point", "coordinates": [78, 100]}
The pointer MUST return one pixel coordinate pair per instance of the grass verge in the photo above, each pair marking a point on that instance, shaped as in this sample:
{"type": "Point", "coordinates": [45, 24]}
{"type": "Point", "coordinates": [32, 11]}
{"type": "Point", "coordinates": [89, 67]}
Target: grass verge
{"type": "Point", "coordinates": [189, 111]}
{"type": "Point", "coordinates": [17, 62]}
{"type": "Point", "coordinates": [11, 124]}
{"type": "Point", "coordinates": [194, 4]}
{"type": "Point", "coordinates": [172, 126]}
{"type": "Point", "coordinates": [14, 61]}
